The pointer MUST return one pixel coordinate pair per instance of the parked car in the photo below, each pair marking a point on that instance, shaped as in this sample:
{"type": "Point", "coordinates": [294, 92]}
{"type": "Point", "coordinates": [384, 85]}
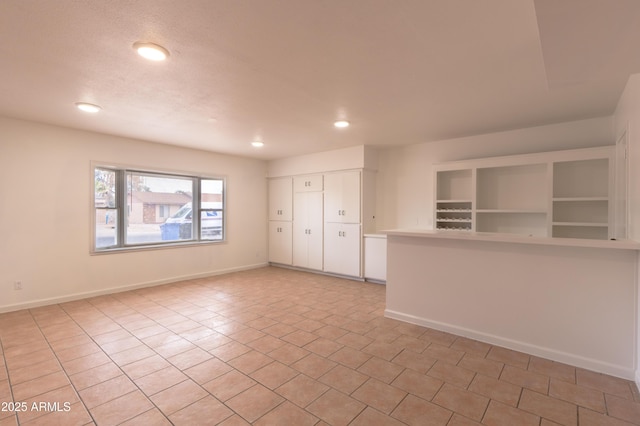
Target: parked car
{"type": "Point", "coordinates": [179, 226]}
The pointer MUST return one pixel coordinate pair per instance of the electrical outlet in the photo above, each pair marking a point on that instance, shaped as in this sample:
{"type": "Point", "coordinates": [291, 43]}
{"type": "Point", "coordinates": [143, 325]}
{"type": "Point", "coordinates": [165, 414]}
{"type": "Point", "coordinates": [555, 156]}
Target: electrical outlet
{"type": "Point", "coordinates": [17, 285]}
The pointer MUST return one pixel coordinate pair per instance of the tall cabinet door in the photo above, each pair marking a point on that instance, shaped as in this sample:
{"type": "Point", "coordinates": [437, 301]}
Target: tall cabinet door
{"type": "Point", "coordinates": [307, 230]}
{"type": "Point", "coordinates": [342, 248]}
{"type": "Point", "coordinates": [280, 242]}
{"type": "Point", "coordinates": [315, 237]}
{"type": "Point", "coordinates": [342, 197]}
{"type": "Point", "coordinates": [280, 199]}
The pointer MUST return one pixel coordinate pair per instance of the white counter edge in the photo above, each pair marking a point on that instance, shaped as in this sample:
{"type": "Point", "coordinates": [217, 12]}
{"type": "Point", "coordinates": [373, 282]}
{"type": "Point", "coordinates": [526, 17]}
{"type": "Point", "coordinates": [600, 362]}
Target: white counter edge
{"type": "Point", "coordinates": [517, 239]}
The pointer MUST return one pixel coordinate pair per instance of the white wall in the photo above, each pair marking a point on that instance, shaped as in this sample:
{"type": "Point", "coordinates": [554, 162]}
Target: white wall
{"type": "Point", "coordinates": [46, 186]}
{"type": "Point", "coordinates": [569, 303]}
{"type": "Point", "coordinates": [405, 175]}
{"type": "Point", "coordinates": [627, 118]}
{"type": "Point", "coordinates": [355, 157]}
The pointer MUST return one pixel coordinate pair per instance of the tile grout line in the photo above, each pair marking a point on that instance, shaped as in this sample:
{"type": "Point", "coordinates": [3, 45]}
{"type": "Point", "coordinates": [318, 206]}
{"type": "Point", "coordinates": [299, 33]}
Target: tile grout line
{"type": "Point", "coordinates": [115, 363]}
{"type": "Point", "coordinates": [6, 368]}
{"type": "Point", "coordinates": [188, 378]}
{"type": "Point", "coordinates": [163, 357]}
{"type": "Point", "coordinates": [35, 321]}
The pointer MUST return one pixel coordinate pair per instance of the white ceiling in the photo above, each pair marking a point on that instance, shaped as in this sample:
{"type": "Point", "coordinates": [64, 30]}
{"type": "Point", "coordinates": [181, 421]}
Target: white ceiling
{"type": "Point", "coordinates": [402, 71]}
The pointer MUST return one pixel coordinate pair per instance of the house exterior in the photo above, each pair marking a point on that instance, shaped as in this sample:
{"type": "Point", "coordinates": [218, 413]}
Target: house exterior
{"type": "Point", "coordinates": [155, 207]}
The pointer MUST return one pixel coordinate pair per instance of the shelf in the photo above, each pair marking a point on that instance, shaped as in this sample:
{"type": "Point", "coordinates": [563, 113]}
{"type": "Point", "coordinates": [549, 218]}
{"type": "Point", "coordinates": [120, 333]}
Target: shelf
{"type": "Point", "coordinates": [516, 211]}
{"type": "Point", "coordinates": [575, 199]}
{"type": "Point", "coordinates": [583, 231]}
{"type": "Point", "coordinates": [595, 225]}
{"type": "Point", "coordinates": [454, 215]}
{"type": "Point", "coordinates": [554, 194]}
{"type": "Point", "coordinates": [453, 229]}
{"type": "Point", "coordinates": [509, 222]}
{"type": "Point", "coordinates": [581, 211]}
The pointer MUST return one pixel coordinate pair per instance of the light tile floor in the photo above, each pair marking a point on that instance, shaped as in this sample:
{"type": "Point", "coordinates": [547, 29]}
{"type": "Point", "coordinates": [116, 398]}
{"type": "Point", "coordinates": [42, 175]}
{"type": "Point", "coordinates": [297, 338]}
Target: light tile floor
{"type": "Point", "coordinates": [277, 347]}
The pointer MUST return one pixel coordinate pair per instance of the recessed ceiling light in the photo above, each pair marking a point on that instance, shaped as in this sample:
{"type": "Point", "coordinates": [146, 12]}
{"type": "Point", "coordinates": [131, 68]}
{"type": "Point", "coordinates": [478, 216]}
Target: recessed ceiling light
{"type": "Point", "coordinates": [341, 124]}
{"type": "Point", "coordinates": [257, 144]}
{"type": "Point", "coordinates": [151, 51]}
{"type": "Point", "coordinates": [86, 107]}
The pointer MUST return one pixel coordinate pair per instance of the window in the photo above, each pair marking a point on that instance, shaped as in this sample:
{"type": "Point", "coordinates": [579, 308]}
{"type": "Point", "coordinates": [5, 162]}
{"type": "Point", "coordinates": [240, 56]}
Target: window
{"type": "Point", "coordinates": [136, 209]}
{"type": "Point", "coordinates": [163, 211]}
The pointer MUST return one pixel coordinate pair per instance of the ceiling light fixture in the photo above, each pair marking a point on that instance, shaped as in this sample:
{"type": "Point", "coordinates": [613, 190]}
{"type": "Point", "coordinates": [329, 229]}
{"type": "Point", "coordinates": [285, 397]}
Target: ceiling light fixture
{"type": "Point", "coordinates": [257, 144]}
{"type": "Point", "coordinates": [151, 51]}
{"type": "Point", "coordinates": [341, 124]}
{"type": "Point", "coordinates": [86, 107]}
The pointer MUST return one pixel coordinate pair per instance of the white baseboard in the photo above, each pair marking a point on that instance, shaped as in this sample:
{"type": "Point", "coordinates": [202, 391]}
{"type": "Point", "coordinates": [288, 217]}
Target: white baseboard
{"type": "Point", "coordinates": [83, 295]}
{"type": "Point", "coordinates": [638, 379]}
{"type": "Point", "coordinates": [316, 271]}
{"type": "Point", "coordinates": [542, 352]}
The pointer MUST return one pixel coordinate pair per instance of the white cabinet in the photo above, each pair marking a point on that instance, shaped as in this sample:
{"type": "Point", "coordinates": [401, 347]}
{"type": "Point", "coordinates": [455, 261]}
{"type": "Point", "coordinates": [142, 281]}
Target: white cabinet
{"type": "Point", "coordinates": [308, 183]}
{"type": "Point", "coordinates": [342, 223]}
{"type": "Point", "coordinates": [280, 242]}
{"type": "Point", "coordinates": [375, 257]}
{"type": "Point", "coordinates": [307, 230]}
{"type": "Point", "coordinates": [280, 199]}
{"type": "Point", "coordinates": [280, 216]}
{"type": "Point", "coordinates": [329, 213]}
{"type": "Point", "coordinates": [342, 248]}
{"type": "Point", "coordinates": [342, 197]}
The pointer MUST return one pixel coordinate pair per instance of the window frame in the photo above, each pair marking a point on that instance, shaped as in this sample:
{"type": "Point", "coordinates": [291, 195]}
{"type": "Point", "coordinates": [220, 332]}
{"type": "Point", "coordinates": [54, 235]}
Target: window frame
{"type": "Point", "coordinates": [122, 209]}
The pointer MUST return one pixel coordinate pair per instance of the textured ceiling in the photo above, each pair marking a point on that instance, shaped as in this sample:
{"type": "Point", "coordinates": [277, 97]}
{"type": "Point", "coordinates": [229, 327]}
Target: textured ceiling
{"type": "Point", "coordinates": [402, 71]}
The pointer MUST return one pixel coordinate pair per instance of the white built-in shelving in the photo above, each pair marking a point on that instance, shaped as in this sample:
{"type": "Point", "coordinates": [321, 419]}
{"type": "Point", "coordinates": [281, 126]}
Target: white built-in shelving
{"type": "Point", "coordinates": [554, 194]}
{"type": "Point", "coordinates": [454, 205]}
{"type": "Point", "coordinates": [581, 204]}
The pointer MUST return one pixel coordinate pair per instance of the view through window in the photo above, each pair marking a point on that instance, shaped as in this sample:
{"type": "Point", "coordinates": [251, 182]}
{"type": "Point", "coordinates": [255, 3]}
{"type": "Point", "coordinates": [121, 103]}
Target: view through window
{"type": "Point", "coordinates": [137, 208]}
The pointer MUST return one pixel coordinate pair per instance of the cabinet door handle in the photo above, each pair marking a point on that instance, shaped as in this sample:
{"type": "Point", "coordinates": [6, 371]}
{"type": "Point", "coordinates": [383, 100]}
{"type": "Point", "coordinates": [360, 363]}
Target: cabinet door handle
{"type": "Point", "coordinates": [343, 213]}
{"type": "Point", "coordinates": [339, 212]}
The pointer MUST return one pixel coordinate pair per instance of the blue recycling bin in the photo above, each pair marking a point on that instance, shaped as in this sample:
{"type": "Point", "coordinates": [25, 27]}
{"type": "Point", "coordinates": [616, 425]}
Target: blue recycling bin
{"type": "Point", "coordinates": [170, 231]}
